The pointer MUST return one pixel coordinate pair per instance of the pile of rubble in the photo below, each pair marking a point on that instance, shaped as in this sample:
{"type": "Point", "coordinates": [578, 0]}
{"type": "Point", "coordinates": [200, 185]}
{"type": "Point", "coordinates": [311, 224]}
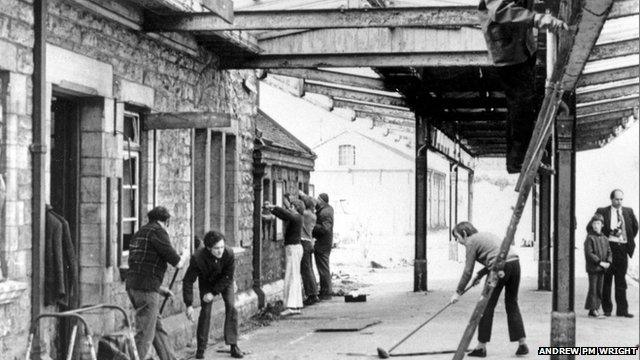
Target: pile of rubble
{"type": "Point", "coordinates": [343, 283]}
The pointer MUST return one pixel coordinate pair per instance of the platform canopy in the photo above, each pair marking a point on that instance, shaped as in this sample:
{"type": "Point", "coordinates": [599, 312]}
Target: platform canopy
{"type": "Point", "coordinates": [421, 52]}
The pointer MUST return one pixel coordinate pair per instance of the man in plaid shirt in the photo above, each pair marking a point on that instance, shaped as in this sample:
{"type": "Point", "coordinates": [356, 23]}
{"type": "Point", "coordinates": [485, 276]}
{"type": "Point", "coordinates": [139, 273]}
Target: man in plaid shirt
{"type": "Point", "coordinates": [149, 252]}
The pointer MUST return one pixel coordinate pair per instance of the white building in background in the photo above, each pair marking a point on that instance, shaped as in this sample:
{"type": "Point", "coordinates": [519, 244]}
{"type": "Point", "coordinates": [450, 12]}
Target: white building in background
{"type": "Point", "coordinates": [368, 170]}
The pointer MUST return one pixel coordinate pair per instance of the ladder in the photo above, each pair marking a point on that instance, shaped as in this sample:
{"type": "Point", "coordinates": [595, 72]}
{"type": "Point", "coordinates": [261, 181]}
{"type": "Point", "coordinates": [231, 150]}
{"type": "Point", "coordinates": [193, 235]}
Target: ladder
{"type": "Point", "coordinates": [563, 77]}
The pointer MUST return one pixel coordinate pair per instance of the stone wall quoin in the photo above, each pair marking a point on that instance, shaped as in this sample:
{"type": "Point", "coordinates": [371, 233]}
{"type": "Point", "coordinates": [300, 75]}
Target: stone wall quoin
{"type": "Point", "coordinates": [16, 68]}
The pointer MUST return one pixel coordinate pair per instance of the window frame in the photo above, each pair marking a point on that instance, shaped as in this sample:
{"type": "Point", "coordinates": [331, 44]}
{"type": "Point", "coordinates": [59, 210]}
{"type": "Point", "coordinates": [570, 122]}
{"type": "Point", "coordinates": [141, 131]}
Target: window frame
{"type": "Point", "coordinates": [343, 156]}
{"type": "Point", "coordinates": [278, 194]}
{"type": "Point", "coordinates": [130, 150]}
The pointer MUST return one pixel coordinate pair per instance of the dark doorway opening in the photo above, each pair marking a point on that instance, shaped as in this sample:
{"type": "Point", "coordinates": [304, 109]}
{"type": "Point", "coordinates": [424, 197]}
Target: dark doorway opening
{"type": "Point", "coordinates": [65, 162]}
{"type": "Point", "coordinates": [65, 193]}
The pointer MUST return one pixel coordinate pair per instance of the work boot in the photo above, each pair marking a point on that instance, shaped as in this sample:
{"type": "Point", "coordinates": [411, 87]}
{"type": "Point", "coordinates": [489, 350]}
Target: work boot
{"type": "Point", "coordinates": [325, 297]}
{"type": "Point", "coordinates": [627, 315]}
{"type": "Point", "coordinates": [595, 314]}
{"type": "Point", "coordinates": [199, 354]}
{"type": "Point", "coordinates": [236, 352]}
{"type": "Point", "coordinates": [311, 300]}
{"type": "Point", "coordinates": [515, 157]}
{"type": "Point", "coordinates": [478, 353]}
{"type": "Point", "coordinates": [514, 168]}
{"type": "Point", "coordinates": [522, 350]}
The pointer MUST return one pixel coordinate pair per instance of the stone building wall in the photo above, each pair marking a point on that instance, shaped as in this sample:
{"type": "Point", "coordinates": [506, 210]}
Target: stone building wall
{"type": "Point", "coordinates": [162, 78]}
{"type": "Point", "coordinates": [16, 41]}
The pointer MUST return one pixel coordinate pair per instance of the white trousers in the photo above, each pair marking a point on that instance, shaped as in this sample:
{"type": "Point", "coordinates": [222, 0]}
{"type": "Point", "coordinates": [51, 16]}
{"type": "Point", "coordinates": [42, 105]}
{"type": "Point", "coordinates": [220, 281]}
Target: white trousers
{"type": "Point", "coordinates": [292, 277]}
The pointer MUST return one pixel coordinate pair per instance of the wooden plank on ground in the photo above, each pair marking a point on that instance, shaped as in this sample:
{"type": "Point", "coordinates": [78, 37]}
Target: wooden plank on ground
{"type": "Point", "coordinates": [349, 325]}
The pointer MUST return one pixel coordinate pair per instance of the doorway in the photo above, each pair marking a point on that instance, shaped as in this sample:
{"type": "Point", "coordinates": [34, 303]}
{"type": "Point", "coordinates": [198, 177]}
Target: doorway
{"type": "Point", "coordinates": [65, 193]}
{"type": "Point", "coordinates": [65, 150]}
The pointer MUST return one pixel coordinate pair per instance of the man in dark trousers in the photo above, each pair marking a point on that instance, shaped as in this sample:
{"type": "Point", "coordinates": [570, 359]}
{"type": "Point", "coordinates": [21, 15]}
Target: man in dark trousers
{"type": "Point", "coordinates": [508, 32]}
{"type": "Point", "coordinates": [149, 252]}
{"type": "Point", "coordinates": [323, 232]}
{"type": "Point", "coordinates": [484, 248]}
{"type": "Point", "coordinates": [620, 227]}
{"type": "Point", "coordinates": [213, 266]}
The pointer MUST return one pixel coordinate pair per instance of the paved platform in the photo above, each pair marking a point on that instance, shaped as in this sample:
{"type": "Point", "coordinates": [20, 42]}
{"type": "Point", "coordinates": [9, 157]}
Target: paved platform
{"type": "Point", "coordinates": [401, 310]}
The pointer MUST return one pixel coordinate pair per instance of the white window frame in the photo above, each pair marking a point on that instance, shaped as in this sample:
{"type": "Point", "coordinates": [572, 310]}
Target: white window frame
{"type": "Point", "coordinates": [131, 150]}
{"type": "Point", "coordinates": [279, 191]}
{"type": "Point", "coordinates": [343, 156]}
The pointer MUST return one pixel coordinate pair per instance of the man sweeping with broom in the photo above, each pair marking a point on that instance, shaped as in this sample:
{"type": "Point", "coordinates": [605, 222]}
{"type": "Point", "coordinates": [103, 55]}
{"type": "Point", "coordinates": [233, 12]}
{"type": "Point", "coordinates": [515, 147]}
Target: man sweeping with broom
{"type": "Point", "coordinates": [484, 247]}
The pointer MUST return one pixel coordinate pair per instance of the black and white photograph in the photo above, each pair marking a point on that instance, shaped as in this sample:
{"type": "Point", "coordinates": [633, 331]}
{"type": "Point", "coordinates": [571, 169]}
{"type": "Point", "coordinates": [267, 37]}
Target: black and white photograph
{"type": "Point", "coordinates": [319, 179]}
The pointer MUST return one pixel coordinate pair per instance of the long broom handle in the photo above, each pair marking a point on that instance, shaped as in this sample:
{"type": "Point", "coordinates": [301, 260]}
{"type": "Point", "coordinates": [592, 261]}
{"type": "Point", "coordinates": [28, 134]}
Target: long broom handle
{"type": "Point", "coordinates": [164, 302]}
{"type": "Point", "coordinates": [431, 318]}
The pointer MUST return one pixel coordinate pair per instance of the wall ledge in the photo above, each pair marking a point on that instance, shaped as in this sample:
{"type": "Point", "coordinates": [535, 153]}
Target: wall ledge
{"type": "Point", "coordinates": [11, 290]}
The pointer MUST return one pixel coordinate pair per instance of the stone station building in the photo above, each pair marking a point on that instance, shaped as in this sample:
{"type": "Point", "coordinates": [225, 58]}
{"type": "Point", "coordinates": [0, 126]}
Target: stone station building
{"type": "Point", "coordinates": [133, 120]}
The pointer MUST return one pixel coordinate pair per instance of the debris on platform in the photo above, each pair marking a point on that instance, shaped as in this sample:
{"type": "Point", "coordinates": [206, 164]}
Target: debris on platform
{"type": "Point", "coordinates": [268, 314]}
{"type": "Point", "coordinates": [344, 283]}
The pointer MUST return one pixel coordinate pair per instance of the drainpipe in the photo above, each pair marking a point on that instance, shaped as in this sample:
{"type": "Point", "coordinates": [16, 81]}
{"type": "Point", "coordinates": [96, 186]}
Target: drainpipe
{"type": "Point", "coordinates": [258, 175]}
{"type": "Point", "coordinates": [420, 261]}
{"type": "Point", "coordinates": [38, 152]}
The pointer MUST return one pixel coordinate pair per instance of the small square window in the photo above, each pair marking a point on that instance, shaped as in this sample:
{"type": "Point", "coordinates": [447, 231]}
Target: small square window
{"type": "Point", "coordinates": [131, 129]}
{"type": "Point", "coordinates": [346, 155]}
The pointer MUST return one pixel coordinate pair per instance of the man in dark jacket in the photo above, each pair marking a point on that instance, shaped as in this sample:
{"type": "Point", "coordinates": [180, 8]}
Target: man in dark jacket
{"type": "Point", "coordinates": [620, 227]}
{"type": "Point", "coordinates": [508, 32]}
{"type": "Point", "coordinates": [323, 232]}
{"type": "Point", "coordinates": [149, 252]}
{"type": "Point", "coordinates": [214, 266]}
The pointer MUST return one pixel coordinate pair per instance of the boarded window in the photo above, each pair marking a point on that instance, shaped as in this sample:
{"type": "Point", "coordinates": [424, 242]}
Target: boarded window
{"type": "Point", "coordinates": [346, 155]}
{"type": "Point", "coordinates": [436, 200]}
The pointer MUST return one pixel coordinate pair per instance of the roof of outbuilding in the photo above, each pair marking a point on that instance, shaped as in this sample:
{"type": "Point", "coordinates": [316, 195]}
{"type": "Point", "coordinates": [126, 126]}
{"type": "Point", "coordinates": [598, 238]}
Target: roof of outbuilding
{"type": "Point", "coordinates": [274, 135]}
